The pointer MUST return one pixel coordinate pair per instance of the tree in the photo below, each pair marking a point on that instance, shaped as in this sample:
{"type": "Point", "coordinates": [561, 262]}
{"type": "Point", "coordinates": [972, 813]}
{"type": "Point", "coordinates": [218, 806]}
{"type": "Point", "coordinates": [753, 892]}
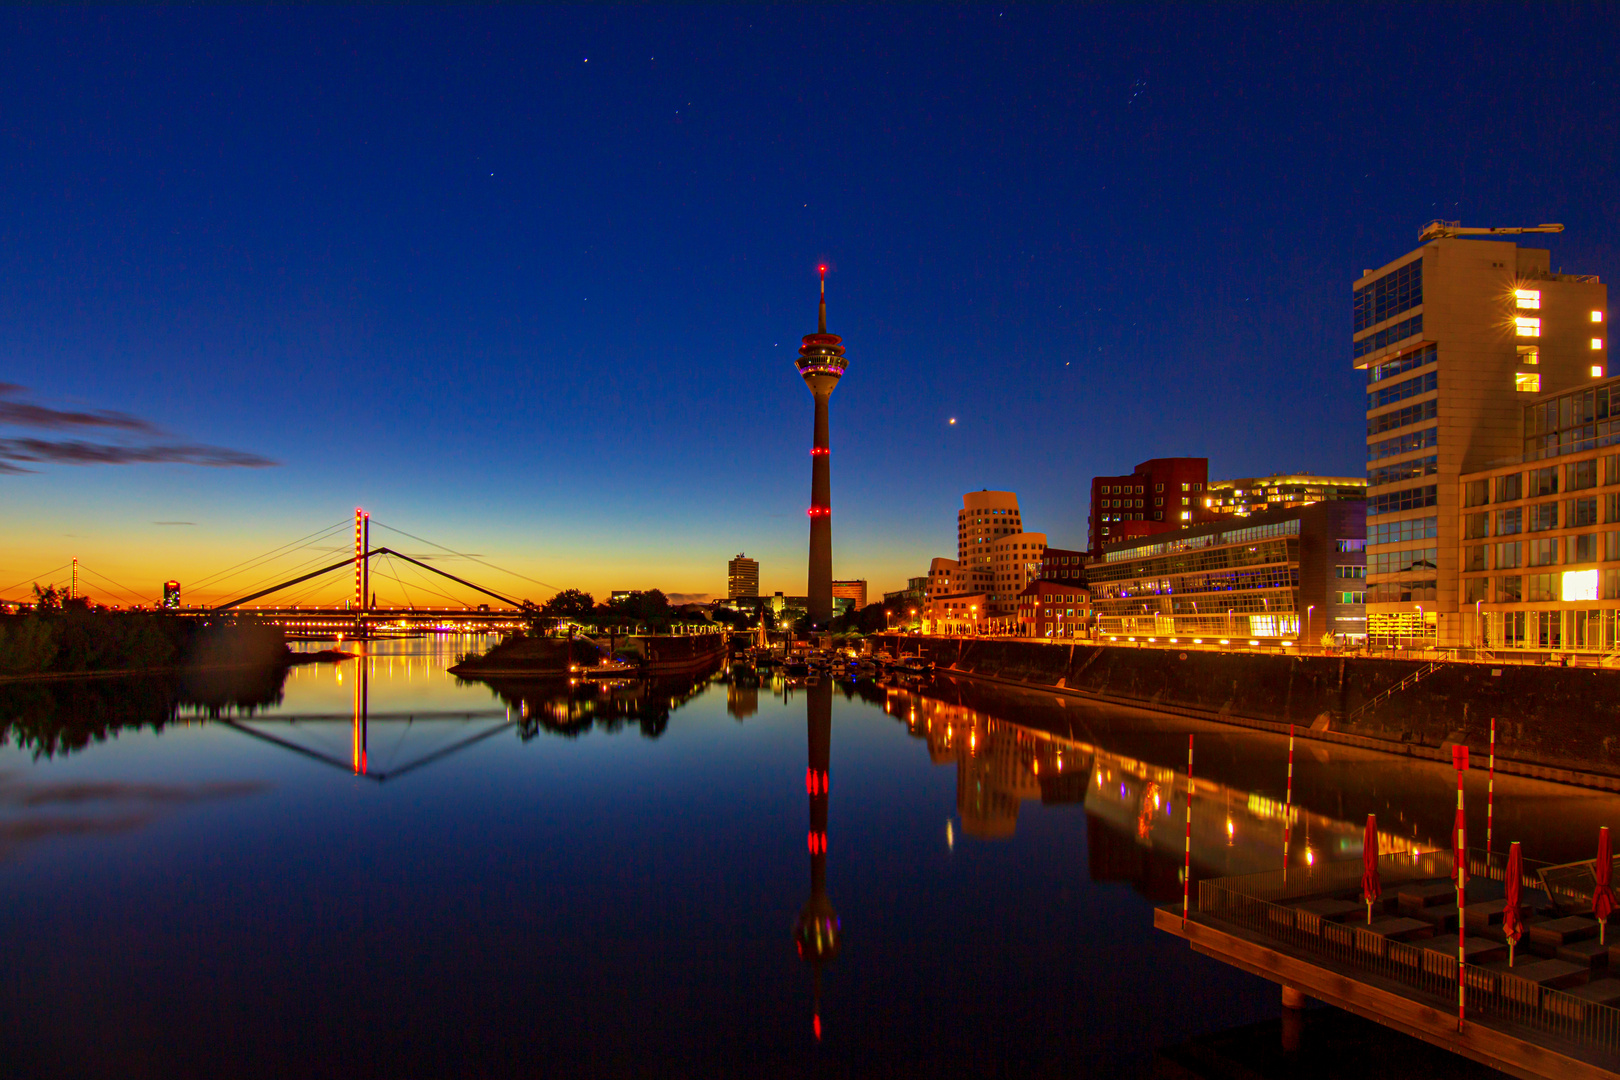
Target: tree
{"type": "Point", "coordinates": [568, 604]}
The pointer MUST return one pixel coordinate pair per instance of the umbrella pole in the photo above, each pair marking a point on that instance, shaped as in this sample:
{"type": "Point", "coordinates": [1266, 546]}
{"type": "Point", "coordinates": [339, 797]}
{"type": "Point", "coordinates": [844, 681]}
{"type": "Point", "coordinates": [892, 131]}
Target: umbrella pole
{"type": "Point", "coordinates": [1369, 912]}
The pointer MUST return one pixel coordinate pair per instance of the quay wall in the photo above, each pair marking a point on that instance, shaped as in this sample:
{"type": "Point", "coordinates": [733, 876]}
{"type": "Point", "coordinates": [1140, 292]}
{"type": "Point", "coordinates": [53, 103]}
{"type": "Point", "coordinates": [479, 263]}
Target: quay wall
{"type": "Point", "coordinates": [1550, 722]}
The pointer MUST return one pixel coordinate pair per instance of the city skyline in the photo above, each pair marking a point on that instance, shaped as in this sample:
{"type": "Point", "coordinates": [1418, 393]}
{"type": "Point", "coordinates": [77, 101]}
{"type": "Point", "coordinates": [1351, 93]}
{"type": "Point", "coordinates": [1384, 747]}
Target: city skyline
{"type": "Point", "coordinates": [362, 265]}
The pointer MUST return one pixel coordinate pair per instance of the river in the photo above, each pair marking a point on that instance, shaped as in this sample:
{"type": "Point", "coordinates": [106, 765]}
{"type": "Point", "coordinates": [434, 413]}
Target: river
{"type": "Point", "coordinates": [699, 878]}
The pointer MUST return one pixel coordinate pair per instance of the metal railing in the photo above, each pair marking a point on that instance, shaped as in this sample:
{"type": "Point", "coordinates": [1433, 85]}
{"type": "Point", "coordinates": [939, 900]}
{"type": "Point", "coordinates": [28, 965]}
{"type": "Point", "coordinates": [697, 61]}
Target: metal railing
{"type": "Point", "coordinates": [1272, 908]}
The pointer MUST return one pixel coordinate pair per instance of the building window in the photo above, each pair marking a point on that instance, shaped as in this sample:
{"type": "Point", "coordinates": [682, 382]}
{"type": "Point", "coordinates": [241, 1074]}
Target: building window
{"type": "Point", "coordinates": [1475, 590]}
{"type": "Point", "coordinates": [1597, 371]}
{"type": "Point", "coordinates": [1526, 326]}
{"type": "Point", "coordinates": [1400, 532]}
{"type": "Point", "coordinates": [1597, 343]}
{"type": "Point", "coordinates": [1545, 552]}
{"type": "Point", "coordinates": [1582, 512]}
{"type": "Point", "coordinates": [1474, 557]}
{"type": "Point", "coordinates": [1402, 562]}
{"type": "Point", "coordinates": [1350, 571]}
{"type": "Point", "coordinates": [1405, 470]}
{"type": "Point", "coordinates": [1527, 382]}
{"type": "Point", "coordinates": [1399, 365]}
{"type": "Point", "coordinates": [1343, 546]}
{"type": "Point", "coordinates": [1509, 522]}
{"type": "Point", "coordinates": [1543, 516]}
{"type": "Point", "coordinates": [1530, 355]}
{"type": "Point", "coordinates": [1583, 548]}
{"type": "Point", "coordinates": [1580, 474]}
{"type": "Point", "coordinates": [1421, 384]}
{"type": "Point", "coordinates": [1404, 444]}
{"type": "Point", "coordinates": [1544, 481]}
{"type": "Point", "coordinates": [1597, 316]}
{"type": "Point", "coordinates": [1538, 587]}
{"type": "Point", "coordinates": [1527, 298]}
{"type": "Point", "coordinates": [1510, 488]}
{"type": "Point", "coordinates": [1611, 547]}
{"type": "Point", "coordinates": [1408, 499]}
{"type": "Point", "coordinates": [1386, 297]}
{"type": "Point", "coordinates": [1476, 493]}
{"type": "Point", "coordinates": [1399, 418]}
{"type": "Point", "coordinates": [1510, 555]}
{"type": "Point", "coordinates": [1476, 526]}
{"type": "Point", "coordinates": [1509, 590]}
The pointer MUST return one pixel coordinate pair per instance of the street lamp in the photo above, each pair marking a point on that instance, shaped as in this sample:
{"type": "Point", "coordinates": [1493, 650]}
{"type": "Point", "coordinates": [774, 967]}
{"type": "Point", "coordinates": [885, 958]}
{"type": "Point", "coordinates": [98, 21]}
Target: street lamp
{"type": "Point", "coordinates": [1309, 611]}
{"type": "Point", "coordinates": [1421, 627]}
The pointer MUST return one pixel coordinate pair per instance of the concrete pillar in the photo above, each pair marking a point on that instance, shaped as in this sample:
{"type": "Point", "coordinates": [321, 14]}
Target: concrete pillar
{"type": "Point", "coordinates": [1293, 1018]}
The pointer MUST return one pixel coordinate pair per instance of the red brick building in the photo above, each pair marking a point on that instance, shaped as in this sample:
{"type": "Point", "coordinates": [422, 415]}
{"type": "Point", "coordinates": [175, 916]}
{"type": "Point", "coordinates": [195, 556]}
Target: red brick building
{"type": "Point", "coordinates": [1053, 609]}
{"type": "Point", "coordinates": [1161, 495]}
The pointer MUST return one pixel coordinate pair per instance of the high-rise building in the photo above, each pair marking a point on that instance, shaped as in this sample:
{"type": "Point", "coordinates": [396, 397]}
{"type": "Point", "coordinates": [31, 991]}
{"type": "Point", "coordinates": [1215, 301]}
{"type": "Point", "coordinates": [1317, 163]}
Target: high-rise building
{"type": "Point", "coordinates": [1161, 495]}
{"type": "Point", "coordinates": [1279, 491]}
{"type": "Point", "coordinates": [742, 577]}
{"type": "Point", "coordinates": [853, 591]}
{"type": "Point", "coordinates": [994, 555]}
{"type": "Point", "coordinates": [1454, 337]}
{"type": "Point", "coordinates": [171, 595]}
{"type": "Point", "coordinates": [821, 362]}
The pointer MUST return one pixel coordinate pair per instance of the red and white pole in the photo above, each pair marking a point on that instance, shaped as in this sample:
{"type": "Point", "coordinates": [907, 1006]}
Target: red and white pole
{"type": "Point", "coordinates": [1490, 793]}
{"type": "Point", "coordinates": [1288, 801]}
{"type": "Point", "coordinates": [1459, 759]}
{"type": "Point", "coordinates": [1186, 866]}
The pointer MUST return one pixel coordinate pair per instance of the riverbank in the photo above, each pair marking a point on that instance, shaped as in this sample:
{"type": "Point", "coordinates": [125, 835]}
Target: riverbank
{"type": "Point", "coordinates": [1560, 724]}
{"type": "Point", "coordinates": [521, 656]}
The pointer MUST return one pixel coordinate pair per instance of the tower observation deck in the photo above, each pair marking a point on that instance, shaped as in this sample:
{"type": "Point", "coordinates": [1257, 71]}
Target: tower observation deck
{"type": "Point", "coordinates": [821, 362]}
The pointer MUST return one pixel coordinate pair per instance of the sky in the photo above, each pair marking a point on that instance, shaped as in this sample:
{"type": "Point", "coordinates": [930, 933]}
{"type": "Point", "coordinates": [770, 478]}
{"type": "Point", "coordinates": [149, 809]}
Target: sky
{"type": "Point", "coordinates": [527, 282]}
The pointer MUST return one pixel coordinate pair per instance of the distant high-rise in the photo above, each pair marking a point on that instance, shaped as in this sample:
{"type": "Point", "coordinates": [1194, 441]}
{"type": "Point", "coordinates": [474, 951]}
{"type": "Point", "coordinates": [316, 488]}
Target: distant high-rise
{"type": "Point", "coordinates": [995, 555]}
{"type": "Point", "coordinates": [742, 577]}
{"type": "Point", "coordinates": [821, 363]}
{"type": "Point", "coordinates": [171, 595]}
{"type": "Point", "coordinates": [853, 591]}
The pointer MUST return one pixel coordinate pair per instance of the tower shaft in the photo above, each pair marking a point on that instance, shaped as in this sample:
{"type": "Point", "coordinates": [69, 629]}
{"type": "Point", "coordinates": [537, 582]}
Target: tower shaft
{"type": "Point", "coordinates": [820, 587]}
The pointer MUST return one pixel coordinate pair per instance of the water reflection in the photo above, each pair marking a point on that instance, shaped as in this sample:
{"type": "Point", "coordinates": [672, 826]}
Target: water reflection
{"type": "Point", "coordinates": [818, 933]}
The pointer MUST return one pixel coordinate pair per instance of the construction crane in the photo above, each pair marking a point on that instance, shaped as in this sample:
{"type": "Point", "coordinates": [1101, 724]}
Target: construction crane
{"type": "Point", "coordinates": [1442, 230]}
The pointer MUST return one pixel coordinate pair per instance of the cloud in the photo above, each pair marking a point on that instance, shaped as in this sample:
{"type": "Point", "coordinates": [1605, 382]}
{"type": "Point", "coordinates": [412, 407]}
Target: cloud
{"type": "Point", "coordinates": [688, 597]}
{"type": "Point", "coordinates": [82, 453]}
{"type": "Point", "coordinates": [74, 452]}
{"type": "Point", "coordinates": [35, 810]}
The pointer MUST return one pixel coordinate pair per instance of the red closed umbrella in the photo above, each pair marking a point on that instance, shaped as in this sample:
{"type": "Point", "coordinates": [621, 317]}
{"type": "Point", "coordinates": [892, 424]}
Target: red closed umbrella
{"type": "Point", "coordinates": [1371, 889]}
{"type": "Point", "coordinates": [1603, 904]}
{"type": "Point", "coordinates": [1512, 924]}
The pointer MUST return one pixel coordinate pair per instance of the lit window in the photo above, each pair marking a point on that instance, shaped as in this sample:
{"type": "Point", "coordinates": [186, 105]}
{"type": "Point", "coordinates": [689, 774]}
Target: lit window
{"type": "Point", "coordinates": [1186, 515]}
{"type": "Point", "coordinates": [1597, 316]}
{"type": "Point", "coordinates": [1529, 354]}
{"type": "Point", "coordinates": [1527, 298]}
{"type": "Point", "coordinates": [1597, 343]}
{"type": "Point", "coordinates": [1527, 382]}
{"type": "Point", "coordinates": [1597, 371]}
{"type": "Point", "coordinates": [1527, 326]}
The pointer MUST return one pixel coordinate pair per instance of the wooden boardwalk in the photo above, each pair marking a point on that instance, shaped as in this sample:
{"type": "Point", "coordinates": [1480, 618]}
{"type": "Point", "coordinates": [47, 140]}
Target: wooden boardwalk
{"type": "Point", "coordinates": [1514, 1048]}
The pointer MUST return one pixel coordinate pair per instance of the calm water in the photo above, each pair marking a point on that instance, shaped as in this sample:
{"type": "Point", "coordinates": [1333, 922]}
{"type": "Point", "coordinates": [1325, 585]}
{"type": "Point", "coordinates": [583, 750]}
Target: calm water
{"type": "Point", "coordinates": [522, 880]}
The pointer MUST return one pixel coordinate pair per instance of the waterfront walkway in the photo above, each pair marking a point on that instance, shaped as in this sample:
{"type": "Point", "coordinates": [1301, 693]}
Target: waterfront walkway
{"type": "Point", "coordinates": [1552, 1013]}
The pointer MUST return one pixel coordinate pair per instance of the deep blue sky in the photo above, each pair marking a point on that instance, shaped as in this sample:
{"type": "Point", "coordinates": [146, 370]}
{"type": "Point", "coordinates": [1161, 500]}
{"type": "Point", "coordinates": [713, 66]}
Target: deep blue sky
{"type": "Point", "coordinates": [528, 281]}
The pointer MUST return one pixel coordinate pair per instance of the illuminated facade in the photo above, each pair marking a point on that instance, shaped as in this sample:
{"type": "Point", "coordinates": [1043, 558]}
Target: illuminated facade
{"type": "Point", "coordinates": [853, 591]}
{"type": "Point", "coordinates": [1054, 609]}
{"type": "Point", "coordinates": [1540, 536]}
{"type": "Point", "coordinates": [1292, 574]}
{"type": "Point", "coordinates": [742, 577]}
{"type": "Point", "coordinates": [1454, 338]}
{"type": "Point", "coordinates": [1161, 495]}
{"type": "Point", "coordinates": [1254, 494]}
{"type": "Point", "coordinates": [171, 595]}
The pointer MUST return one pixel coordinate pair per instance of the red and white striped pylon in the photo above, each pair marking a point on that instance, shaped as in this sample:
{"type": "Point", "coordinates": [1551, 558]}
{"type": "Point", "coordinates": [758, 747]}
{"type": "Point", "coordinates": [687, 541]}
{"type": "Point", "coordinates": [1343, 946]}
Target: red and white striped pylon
{"type": "Point", "coordinates": [1186, 866]}
{"type": "Point", "coordinates": [1459, 759]}
{"type": "Point", "coordinates": [1288, 802]}
{"type": "Point", "coordinates": [1490, 793]}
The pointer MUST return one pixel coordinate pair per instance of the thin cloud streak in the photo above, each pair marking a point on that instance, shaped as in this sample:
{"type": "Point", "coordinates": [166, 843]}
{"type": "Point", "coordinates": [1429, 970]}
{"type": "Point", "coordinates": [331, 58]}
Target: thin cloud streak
{"type": "Point", "coordinates": [73, 452]}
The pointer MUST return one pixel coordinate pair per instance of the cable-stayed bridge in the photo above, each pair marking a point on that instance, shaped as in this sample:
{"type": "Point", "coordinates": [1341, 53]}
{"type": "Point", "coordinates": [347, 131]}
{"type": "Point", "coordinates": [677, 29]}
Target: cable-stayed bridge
{"type": "Point", "coordinates": [287, 584]}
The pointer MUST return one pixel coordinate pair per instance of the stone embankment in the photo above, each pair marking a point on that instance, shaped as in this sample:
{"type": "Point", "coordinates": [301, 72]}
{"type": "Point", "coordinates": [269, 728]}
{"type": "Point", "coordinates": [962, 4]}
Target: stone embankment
{"type": "Point", "coordinates": [1556, 723]}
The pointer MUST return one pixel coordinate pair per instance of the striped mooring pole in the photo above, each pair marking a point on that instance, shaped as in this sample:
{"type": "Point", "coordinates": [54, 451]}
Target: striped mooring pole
{"type": "Point", "coordinates": [1490, 793]}
{"type": "Point", "coordinates": [1186, 866]}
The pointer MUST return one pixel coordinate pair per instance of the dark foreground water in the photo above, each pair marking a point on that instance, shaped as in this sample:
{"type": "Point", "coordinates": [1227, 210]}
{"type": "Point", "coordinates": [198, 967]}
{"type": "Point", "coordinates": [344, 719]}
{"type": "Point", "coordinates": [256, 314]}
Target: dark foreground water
{"type": "Point", "coordinates": [675, 879]}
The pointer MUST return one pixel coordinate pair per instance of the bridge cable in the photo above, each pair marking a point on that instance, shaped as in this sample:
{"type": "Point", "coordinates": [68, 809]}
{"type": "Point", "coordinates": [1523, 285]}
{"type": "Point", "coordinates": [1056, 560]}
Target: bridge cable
{"type": "Point", "coordinates": [35, 577]}
{"type": "Point", "coordinates": [312, 536]}
{"type": "Point", "coordinates": [259, 564]}
{"type": "Point", "coordinates": [409, 603]}
{"type": "Point", "coordinates": [436, 592]}
{"type": "Point", "coordinates": [320, 555]}
{"type": "Point", "coordinates": [124, 588]}
{"type": "Point", "coordinates": [474, 558]}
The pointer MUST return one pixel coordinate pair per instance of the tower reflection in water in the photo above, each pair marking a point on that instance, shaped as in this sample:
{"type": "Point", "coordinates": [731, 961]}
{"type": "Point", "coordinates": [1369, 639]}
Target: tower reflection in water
{"type": "Point", "coordinates": [818, 931]}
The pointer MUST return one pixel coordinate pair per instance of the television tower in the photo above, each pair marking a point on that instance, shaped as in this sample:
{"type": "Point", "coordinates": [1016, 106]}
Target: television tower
{"type": "Point", "coordinates": [821, 362]}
